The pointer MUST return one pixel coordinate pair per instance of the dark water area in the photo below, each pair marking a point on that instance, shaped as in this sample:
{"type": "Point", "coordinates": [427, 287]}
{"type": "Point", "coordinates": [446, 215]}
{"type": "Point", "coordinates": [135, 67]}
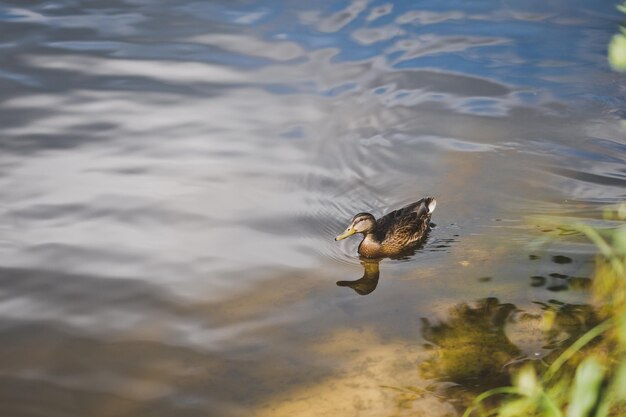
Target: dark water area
{"type": "Point", "coordinates": [173, 173]}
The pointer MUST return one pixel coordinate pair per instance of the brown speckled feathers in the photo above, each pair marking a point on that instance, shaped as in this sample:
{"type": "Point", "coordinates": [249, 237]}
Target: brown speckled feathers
{"type": "Point", "coordinates": [406, 225]}
{"type": "Point", "coordinates": [399, 229]}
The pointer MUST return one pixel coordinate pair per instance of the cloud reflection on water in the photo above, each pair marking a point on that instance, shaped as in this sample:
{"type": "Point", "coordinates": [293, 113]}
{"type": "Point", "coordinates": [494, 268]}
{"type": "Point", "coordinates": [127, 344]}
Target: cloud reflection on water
{"type": "Point", "coordinates": [171, 186]}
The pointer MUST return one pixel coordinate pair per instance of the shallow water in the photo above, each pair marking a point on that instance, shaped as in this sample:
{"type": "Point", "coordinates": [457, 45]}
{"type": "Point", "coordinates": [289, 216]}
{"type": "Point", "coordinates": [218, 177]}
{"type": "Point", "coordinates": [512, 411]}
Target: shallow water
{"type": "Point", "coordinates": [173, 175]}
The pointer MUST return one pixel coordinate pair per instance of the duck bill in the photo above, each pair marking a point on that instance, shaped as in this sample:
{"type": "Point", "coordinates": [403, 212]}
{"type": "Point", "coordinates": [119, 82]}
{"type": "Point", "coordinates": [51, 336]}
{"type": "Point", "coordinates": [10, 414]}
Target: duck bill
{"type": "Point", "coordinates": [349, 232]}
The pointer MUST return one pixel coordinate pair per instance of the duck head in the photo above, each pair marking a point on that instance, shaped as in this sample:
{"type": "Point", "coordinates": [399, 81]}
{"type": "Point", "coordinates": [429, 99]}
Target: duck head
{"type": "Point", "coordinates": [361, 223]}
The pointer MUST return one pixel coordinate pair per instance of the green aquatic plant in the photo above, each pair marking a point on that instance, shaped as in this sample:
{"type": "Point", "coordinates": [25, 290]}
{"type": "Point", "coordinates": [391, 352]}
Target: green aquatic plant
{"type": "Point", "coordinates": [477, 346]}
{"type": "Point", "coordinates": [588, 379]}
{"type": "Point", "coordinates": [471, 345]}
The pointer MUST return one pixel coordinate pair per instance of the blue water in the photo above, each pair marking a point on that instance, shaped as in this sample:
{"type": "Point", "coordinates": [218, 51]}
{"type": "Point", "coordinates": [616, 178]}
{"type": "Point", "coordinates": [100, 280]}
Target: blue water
{"type": "Point", "coordinates": [172, 177]}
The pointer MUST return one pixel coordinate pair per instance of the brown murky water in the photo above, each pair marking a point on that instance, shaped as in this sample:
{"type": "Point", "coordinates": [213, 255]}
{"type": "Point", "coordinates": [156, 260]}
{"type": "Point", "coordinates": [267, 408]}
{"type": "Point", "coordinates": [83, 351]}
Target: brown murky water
{"type": "Point", "coordinates": [172, 177]}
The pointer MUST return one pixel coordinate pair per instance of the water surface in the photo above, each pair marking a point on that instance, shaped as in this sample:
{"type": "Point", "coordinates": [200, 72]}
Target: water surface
{"type": "Point", "coordinates": [172, 177]}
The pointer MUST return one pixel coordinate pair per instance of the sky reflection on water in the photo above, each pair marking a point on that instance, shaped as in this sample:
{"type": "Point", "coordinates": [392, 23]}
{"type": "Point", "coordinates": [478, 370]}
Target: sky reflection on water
{"type": "Point", "coordinates": [172, 177]}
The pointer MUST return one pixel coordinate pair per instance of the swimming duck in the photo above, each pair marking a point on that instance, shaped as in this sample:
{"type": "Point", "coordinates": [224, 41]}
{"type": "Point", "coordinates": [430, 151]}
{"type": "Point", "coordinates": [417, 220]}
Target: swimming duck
{"type": "Point", "coordinates": [393, 233]}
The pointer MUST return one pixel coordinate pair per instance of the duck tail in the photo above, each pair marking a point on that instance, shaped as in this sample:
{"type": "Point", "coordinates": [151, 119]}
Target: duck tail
{"type": "Point", "coordinates": [431, 203]}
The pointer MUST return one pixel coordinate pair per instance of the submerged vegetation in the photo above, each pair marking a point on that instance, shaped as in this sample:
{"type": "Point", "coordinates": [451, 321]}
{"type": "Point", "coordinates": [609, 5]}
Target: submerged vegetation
{"type": "Point", "coordinates": [588, 378]}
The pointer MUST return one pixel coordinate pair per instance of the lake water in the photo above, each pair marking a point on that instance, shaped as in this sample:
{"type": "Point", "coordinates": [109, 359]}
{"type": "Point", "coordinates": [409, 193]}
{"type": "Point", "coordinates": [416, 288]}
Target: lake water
{"type": "Point", "coordinates": [173, 173]}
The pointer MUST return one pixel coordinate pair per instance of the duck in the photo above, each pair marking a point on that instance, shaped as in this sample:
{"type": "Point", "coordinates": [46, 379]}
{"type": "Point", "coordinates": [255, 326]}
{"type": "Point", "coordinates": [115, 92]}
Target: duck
{"type": "Point", "coordinates": [393, 233]}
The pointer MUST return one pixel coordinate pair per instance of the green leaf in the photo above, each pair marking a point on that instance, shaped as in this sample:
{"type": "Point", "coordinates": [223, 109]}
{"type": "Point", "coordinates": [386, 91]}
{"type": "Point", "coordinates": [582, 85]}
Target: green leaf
{"type": "Point", "coordinates": [619, 241]}
{"type": "Point", "coordinates": [620, 382]}
{"type": "Point", "coordinates": [587, 383]}
{"type": "Point", "coordinates": [487, 394]}
{"type": "Point", "coordinates": [576, 346]}
{"type": "Point", "coordinates": [550, 409]}
{"type": "Point", "coordinates": [526, 381]}
{"type": "Point", "coordinates": [617, 52]}
{"type": "Point", "coordinates": [516, 408]}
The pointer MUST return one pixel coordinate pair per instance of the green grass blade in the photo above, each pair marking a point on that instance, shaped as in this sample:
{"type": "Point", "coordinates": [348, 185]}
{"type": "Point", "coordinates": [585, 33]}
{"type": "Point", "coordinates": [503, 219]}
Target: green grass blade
{"type": "Point", "coordinates": [576, 346]}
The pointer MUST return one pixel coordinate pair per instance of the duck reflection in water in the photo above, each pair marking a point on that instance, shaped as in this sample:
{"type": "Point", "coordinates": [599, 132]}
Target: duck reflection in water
{"type": "Point", "coordinates": [368, 282]}
{"type": "Point", "coordinates": [395, 235]}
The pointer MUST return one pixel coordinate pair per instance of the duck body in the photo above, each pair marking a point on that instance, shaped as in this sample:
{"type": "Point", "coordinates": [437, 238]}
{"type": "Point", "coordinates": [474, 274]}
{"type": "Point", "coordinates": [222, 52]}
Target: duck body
{"type": "Point", "coordinates": [393, 233]}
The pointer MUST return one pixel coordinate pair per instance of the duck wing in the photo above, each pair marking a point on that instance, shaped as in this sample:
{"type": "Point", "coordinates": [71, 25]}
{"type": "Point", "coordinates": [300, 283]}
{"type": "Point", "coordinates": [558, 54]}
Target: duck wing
{"type": "Point", "coordinates": [407, 224]}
